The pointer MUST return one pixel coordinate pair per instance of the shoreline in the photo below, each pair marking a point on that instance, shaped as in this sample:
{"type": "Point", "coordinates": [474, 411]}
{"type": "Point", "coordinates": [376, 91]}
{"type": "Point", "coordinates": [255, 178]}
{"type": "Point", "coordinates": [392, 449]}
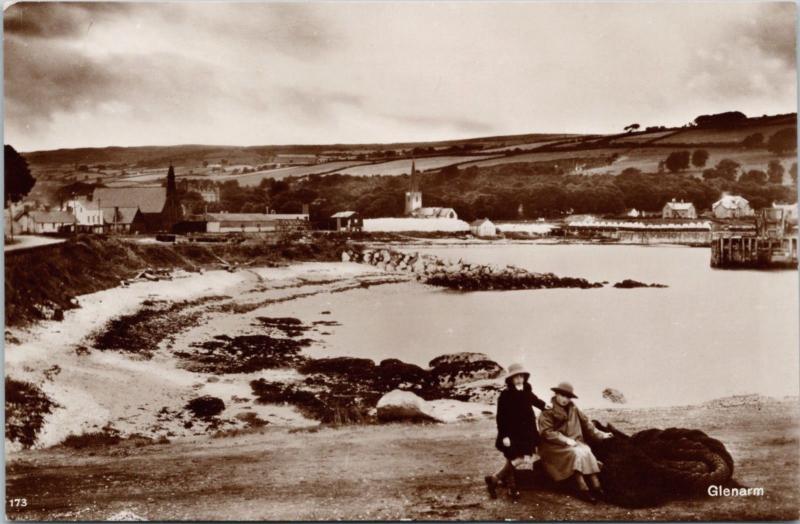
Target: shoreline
{"type": "Point", "coordinates": [94, 387]}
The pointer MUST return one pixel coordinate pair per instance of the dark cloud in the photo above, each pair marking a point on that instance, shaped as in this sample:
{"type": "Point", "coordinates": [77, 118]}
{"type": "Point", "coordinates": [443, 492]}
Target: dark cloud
{"type": "Point", "coordinates": [43, 78]}
{"type": "Point", "coordinates": [58, 19]}
{"type": "Point", "coordinates": [773, 31]}
{"type": "Point", "coordinates": [754, 58]}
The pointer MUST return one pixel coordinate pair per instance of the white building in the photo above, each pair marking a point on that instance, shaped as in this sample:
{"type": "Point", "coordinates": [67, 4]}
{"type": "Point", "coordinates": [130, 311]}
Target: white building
{"type": "Point", "coordinates": [731, 206]}
{"type": "Point", "coordinates": [680, 209]}
{"type": "Point", "coordinates": [87, 214]}
{"type": "Point", "coordinates": [483, 228]}
{"type": "Point", "coordinates": [44, 222]}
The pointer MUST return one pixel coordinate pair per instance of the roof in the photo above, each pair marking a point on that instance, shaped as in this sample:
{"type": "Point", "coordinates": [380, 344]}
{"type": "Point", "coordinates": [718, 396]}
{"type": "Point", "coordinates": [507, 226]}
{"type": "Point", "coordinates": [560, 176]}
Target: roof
{"type": "Point", "coordinates": [52, 217]}
{"type": "Point", "coordinates": [731, 201]}
{"type": "Point", "coordinates": [147, 199]}
{"type": "Point", "coordinates": [479, 222]}
{"type": "Point", "coordinates": [682, 206]}
{"type": "Point", "coordinates": [119, 215]}
{"type": "Point", "coordinates": [252, 217]}
{"type": "Point", "coordinates": [434, 211]}
{"type": "Point", "coordinates": [344, 214]}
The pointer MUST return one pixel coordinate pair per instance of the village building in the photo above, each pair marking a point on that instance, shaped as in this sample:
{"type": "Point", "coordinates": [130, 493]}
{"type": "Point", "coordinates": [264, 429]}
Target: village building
{"type": "Point", "coordinates": [413, 206]}
{"type": "Point", "coordinates": [680, 209]}
{"type": "Point", "coordinates": [254, 222]}
{"type": "Point", "coordinates": [159, 206]}
{"type": "Point", "coordinates": [731, 206]}
{"type": "Point", "coordinates": [210, 196]}
{"type": "Point", "coordinates": [483, 228]}
{"type": "Point", "coordinates": [123, 220]}
{"type": "Point", "coordinates": [347, 221]}
{"type": "Point", "coordinates": [45, 222]}
{"type": "Point", "coordinates": [88, 216]}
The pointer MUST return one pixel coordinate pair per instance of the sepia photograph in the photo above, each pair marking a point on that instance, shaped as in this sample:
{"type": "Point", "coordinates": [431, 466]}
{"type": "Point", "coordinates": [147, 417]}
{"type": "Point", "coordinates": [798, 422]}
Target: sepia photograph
{"type": "Point", "coordinates": [401, 260]}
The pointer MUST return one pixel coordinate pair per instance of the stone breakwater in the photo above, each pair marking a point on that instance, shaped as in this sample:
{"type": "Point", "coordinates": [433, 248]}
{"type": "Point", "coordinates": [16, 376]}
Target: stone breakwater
{"type": "Point", "coordinates": [460, 275]}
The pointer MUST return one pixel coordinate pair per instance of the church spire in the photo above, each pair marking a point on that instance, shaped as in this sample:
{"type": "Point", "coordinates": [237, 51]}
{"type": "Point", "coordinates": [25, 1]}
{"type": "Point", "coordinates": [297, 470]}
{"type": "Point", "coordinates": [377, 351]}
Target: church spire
{"type": "Point", "coordinates": [414, 179]}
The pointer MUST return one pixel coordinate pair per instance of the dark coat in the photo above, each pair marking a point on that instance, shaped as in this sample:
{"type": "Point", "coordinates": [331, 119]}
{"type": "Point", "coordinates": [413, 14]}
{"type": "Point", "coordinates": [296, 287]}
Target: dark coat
{"type": "Point", "coordinates": [516, 420]}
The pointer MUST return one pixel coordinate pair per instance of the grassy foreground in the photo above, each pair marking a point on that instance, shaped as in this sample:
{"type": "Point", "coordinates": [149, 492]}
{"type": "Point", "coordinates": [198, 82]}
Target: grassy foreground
{"type": "Point", "coordinates": [430, 472]}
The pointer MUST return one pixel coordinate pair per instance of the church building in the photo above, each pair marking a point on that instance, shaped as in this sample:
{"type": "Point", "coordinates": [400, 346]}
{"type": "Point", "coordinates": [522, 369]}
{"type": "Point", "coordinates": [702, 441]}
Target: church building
{"type": "Point", "coordinates": [414, 201]}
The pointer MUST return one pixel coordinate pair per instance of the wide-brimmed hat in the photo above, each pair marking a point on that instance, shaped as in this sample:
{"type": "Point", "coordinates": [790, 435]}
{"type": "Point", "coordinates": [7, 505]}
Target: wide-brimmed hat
{"type": "Point", "coordinates": [565, 388]}
{"type": "Point", "coordinates": [517, 369]}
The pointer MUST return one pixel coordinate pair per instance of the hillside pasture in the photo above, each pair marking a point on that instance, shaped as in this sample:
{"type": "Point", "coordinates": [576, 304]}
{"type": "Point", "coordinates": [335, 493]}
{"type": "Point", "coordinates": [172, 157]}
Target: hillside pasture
{"type": "Point", "coordinates": [647, 159]}
{"type": "Point", "coordinates": [403, 166]}
{"type": "Point", "coordinates": [721, 136]}
{"type": "Point", "coordinates": [642, 138]}
{"type": "Point", "coordinates": [545, 156]}
{"type": "Point", "coordinates": [254, 179]}
{"type": "Point", "coordinates": [528, 146]}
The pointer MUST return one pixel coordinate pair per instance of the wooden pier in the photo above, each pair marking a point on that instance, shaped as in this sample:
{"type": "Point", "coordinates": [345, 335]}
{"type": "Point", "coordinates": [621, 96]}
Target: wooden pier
{"type": "Point", "coordinates": [771, 244]}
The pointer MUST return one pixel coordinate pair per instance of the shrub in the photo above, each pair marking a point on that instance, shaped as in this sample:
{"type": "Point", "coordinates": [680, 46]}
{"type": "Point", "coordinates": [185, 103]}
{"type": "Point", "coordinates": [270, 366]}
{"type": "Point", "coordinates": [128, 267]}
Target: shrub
{"type": "Point", "coordinates": [206, 406]}
{"type": "Point", "coordinates": [699, 158]}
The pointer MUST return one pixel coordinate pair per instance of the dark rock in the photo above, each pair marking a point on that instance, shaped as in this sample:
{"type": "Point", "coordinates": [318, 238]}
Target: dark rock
{"type": "Point", "coordinates": [243, 354]}
{"type": "Point", "coordinates": [206, 406]}
{"type": "Point", "coordinates": [630, 284]}
{"type": "Point", "coordinates": [461, 368]}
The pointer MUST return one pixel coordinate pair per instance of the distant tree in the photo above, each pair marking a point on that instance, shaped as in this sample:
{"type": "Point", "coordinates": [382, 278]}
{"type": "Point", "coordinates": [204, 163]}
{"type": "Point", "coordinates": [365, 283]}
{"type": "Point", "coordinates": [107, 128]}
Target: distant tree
{"type": "Point", "coordinates": [224, 162]}
{"type": "Point", "coordinates": [677, 161]}
{"type": "Point", "coordinates": [632, 127]}
{"type": "Point", "coordinates": [699, 157]}
{"type": "Point", "coordinates": [753, 141]}
{"type": "Point", "coordinates": [775, 171]}
{"type": "Point", "coordinates": [725, 168]}
{"type": "Point", "coordinates": [205, 163]}
{"type": "Point", "coordinates": [754, 176]}
{"type": "Point", "coordinates": [783, 141]}
{"type": "Point", "coordinates": [18, 178]}
{"type": "Point", "coordinates": [721, 120]}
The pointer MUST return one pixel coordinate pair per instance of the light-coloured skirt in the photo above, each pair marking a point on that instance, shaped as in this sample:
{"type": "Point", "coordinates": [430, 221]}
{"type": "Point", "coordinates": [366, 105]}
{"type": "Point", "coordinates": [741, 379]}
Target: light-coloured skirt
{"type": "Point", "coordinates": [561, 462]}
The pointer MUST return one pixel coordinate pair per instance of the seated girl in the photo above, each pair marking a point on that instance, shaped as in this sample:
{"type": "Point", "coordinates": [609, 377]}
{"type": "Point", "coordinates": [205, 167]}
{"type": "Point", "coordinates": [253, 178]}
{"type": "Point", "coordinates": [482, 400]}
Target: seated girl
{"type": "Point", "coordinates": [563, 449]}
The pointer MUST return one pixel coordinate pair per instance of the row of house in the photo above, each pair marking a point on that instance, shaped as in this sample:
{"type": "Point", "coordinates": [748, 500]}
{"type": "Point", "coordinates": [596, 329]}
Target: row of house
{"type": "Point", "coordinates": [108, 209]}
{"type": "Point", "coordinates": [728, 206]}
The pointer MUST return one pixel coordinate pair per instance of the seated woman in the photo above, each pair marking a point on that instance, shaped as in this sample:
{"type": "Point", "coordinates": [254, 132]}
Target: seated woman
{"type": "Point", "coordinates": [516, 427]}
{"type": "Point", "coordinates": [563, 447]}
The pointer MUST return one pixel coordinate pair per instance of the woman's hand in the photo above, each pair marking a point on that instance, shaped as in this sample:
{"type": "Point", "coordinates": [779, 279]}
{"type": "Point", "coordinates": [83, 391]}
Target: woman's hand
{"type": "Point", "coordinates": [507, 442]}
{"type": "Point", "coordinates": [570, 442]}
{"type": "Point", "coordinates": [607, 435]}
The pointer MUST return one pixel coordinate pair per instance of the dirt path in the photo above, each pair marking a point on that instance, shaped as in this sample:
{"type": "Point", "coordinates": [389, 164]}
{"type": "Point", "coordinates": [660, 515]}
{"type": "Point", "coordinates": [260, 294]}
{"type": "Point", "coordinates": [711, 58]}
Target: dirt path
{"type": "Point", "coordinates": [430, 472]}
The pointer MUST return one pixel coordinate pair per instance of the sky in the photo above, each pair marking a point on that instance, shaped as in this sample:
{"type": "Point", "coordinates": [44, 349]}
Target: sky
{"type": "Point", "coordinates": [127, 74]}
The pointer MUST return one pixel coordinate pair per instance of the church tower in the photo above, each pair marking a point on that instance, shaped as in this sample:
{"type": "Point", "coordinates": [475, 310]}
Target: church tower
{"type": "Point", "coordinates": [413, 195]}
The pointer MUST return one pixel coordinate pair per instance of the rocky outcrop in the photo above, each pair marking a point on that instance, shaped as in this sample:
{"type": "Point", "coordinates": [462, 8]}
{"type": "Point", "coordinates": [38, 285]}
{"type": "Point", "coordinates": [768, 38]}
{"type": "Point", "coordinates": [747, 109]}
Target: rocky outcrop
{"type": "Point", "coordinates": [460, 275]}
{"type": "Point", "coordinates": [630, 284]}
{"type": "Point", "coordinates": [462, 368]}
{"type": "Point", "coordinates": [404, 406]}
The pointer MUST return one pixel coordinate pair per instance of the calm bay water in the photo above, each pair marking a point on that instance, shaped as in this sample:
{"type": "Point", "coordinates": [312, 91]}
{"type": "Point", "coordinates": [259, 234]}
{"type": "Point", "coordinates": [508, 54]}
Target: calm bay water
{"type": "Point", "coordinates": [712, 333]}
